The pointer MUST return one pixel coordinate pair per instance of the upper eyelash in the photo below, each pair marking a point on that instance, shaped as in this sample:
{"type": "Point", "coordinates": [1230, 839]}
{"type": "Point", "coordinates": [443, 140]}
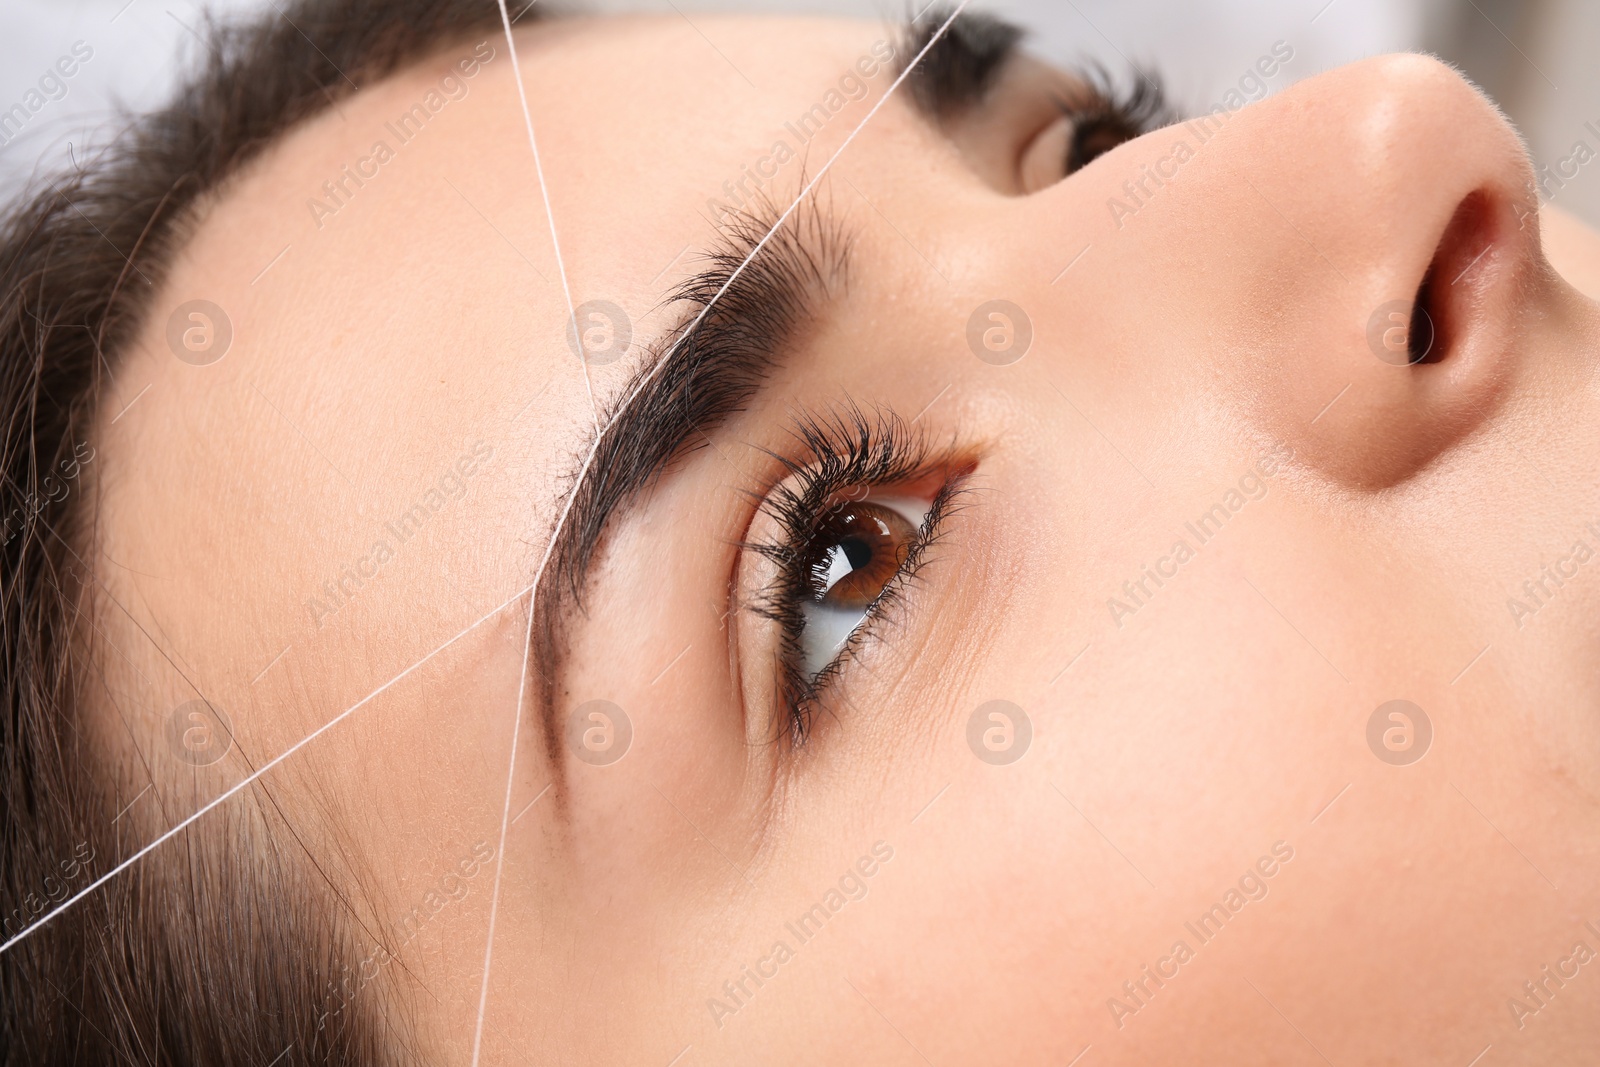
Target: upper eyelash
{"type": "Point", "coordinates": [1129, 112]}
{"type": "Point", "coordinates": [845, 450]}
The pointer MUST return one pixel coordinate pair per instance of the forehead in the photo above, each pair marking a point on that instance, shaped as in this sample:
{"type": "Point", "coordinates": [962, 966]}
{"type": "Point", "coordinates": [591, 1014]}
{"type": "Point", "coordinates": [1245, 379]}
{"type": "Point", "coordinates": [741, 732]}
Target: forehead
{"type": "Point", "coordinates": [647, 128]}
{"type": "Point", "coordinates": [407, 223]}
{"type": "Point", "coordinates": [355, 392]}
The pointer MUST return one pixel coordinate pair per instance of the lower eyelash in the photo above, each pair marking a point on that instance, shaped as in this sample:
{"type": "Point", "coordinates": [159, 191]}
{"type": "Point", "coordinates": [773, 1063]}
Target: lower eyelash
{"type": "Point", "coordinates": [848, 450]}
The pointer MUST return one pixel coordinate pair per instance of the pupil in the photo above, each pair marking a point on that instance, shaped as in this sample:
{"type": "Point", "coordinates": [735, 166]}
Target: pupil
{"type": "Point", "coordinates": [857, 551]}
{"type": "Point", "coordinates": [857, 554]}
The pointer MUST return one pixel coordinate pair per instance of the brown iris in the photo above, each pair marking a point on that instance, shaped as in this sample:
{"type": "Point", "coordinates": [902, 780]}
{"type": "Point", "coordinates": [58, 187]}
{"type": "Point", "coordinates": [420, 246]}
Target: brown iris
{"type": "Point", "coordinates": [856, 550]}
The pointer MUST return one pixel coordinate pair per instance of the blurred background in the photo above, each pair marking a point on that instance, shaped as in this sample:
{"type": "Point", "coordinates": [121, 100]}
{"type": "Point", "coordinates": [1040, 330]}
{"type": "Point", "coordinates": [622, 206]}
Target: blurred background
{"type": "Point", "coordinates": [1535, 57]}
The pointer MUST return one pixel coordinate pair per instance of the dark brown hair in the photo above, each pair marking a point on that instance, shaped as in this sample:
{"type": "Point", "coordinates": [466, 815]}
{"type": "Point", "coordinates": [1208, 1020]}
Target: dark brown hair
{"type": "Point", "coordinates": [223, 947]}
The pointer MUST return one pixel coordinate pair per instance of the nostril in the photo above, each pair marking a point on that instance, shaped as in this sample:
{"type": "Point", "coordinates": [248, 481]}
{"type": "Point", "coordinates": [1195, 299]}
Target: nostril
{"type": "Point", "coordinates": [1421, 336]}
{"type": "Point", "coordinates": [1442, 307]}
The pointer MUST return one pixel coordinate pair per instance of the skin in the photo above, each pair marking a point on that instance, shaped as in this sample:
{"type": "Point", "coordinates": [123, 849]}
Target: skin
{"type": "Point", "coordinates": [1172, 746]}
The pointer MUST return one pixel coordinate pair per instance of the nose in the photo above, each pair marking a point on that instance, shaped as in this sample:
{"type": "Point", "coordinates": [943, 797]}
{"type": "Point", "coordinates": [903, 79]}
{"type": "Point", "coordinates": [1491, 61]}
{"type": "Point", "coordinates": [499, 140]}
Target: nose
{"type": "Point", "coordinates": [1348, 258]}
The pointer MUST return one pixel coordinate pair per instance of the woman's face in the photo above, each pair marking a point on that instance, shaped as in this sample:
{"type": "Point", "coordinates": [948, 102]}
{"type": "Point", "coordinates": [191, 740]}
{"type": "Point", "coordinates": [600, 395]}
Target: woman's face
{"type": "Point", "coordinates": [1181, 501]}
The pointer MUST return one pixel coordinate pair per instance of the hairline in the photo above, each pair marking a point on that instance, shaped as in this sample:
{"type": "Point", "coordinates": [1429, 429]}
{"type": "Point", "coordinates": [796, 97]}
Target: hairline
{"type": "Point", "coordinates": [144, 196]}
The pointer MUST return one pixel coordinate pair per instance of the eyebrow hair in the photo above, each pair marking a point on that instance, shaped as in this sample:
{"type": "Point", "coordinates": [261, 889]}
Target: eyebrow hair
{"type": "Point", "coordinates": [962, 64]}
{"type": "Point", "coordinates": [743, 313]}
{"type": "Point", "coordinates": [705, 369]}
{"type": "Point", "coordinates": [713, 364]}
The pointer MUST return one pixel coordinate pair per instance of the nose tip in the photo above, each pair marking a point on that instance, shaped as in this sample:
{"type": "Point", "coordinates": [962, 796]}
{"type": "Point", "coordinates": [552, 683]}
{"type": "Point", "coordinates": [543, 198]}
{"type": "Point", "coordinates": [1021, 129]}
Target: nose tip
{"type": "Point", "coordinates": [1412, 131]}
{"type": "Point", "coordinates": [1405, 181]}
{"type": "Point", "coordinates": [1379, 157]}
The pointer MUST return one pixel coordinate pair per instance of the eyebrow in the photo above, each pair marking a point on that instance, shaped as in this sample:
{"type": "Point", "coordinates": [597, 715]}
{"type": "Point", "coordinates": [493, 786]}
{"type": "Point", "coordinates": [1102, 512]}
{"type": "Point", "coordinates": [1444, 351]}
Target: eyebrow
{"type": "Point", "coordinates": [711, 372]}
{"type": "Point", "coordinates": [705, 369]}
{"type": "Point", "coordinates": [709, 365]}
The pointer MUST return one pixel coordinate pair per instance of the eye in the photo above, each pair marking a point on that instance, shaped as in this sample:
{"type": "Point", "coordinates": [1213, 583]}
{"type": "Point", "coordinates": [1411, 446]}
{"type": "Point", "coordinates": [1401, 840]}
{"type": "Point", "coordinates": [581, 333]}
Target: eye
{"type": "Point", "coordinates": [855, 551]}
{"type": "Point", "coordinates": [1098, 131]}
{"type": "Point", "coordinates": [833, 548]}
{"type": "Point", "coordinates": [1090, 125]}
